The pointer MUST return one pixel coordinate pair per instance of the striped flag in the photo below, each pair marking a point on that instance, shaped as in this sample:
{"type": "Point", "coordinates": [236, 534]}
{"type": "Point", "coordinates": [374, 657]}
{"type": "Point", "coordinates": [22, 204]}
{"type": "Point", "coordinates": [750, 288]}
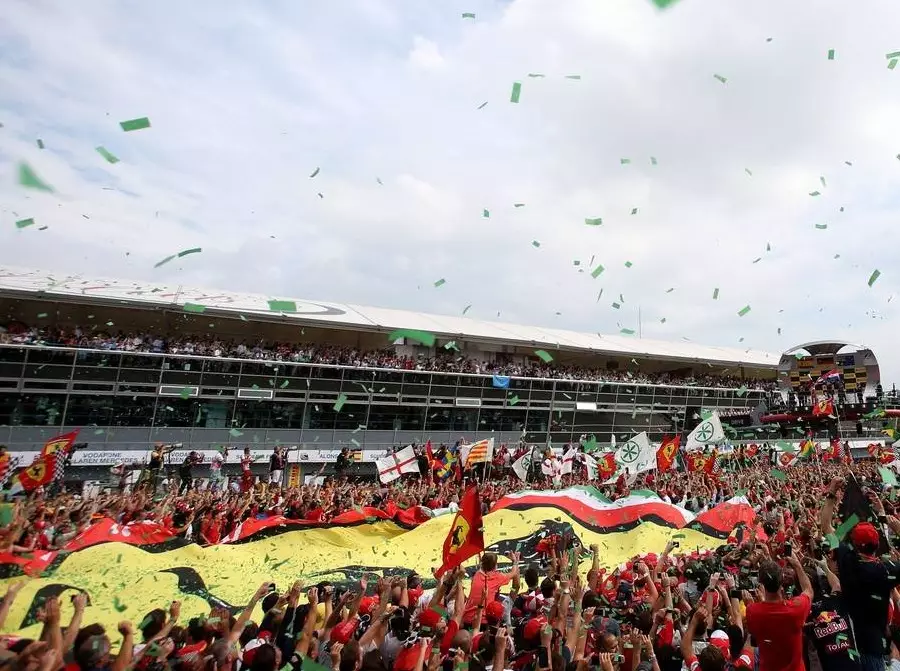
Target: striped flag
{"type": "Point", "coordinates": [7, 468]}
{"type": "Point", "coordinates": [477, 452]}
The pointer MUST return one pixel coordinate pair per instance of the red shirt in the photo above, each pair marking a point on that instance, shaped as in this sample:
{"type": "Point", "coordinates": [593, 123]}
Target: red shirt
{"type": "Point", "coordinates": [778, 629]}
{"type": "Point", "coordinates": [493, 581]}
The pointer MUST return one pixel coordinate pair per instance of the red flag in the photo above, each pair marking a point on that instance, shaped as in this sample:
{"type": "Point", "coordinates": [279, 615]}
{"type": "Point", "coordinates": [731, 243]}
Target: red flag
{"type": "Point", "coordinates": [40, 473]}
{"type": "Point", "coordinates": [465, 538]}
{"type": "Point", "coordinates": [606, 466]}
{"type": "Point", "coordinates": [824, 407]}
{"type": "Point", "coordinates": [886, 455]}
{"type": "Point", "coordinates": [698, 462]}
{"type": "Point", "coordinates": [751, 450]}
{"type": "Point", "coordinates": [833, 451]}
{"type": "Point", "coordinates": [665, 455]}
{"type": "Point", "coordinates": [62, 443]}
{"type": "Point", "coordinates": [786, 459]}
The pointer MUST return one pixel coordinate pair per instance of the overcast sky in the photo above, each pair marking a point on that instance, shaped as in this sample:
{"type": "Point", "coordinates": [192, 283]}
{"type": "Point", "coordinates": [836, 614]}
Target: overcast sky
{"type": "Point", "coordinates": [247, 100]}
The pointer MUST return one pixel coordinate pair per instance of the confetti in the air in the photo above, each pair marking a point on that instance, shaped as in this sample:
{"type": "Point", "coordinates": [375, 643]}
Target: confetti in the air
{"type": "Point", "coordinates": [466, 309]}
{"type": "Point", "coordinates": [339, 403]}
{"type": "Point", "coordinates": [110, 158]}
{"type": "Point", "coordinates": [441, 282]}
{"type": "Point", "coordinates": [624, 161]}
{"type": "Point", "coordinates": [814, 193]}
{"type": "Point", "coordinates": [594, 222]}
{"type": "Point", "coordinates": [573, 76]}
{"type": "Point", "coordinates": [314, 173]}
{"type": "Point", "coordinates": [874, 276]}
{"type": "Point", "coordinates": [721, 78]}
{"type": "Point", "coordinates": [482, 105]}
{"type": "Point", "coordinates": [535, 243]}
{"type": "Point", "coordinates": [634, 210]}
{"type": "Point", "coordinates": [626, 331]}
{"type": "Point", "coordinates": [716, 294]}
{"type": "Point", "coordinates": [135, 124]}
{"type": "Point", "coordinates": [543, 355]}
{"type": "Point", "coordinates": [743, 311]}
{"type": "Point", "coordinates": [536, 75]}
{"type": "Point", "coordinates": [468, 15]}
{"type": "Point", "coordinates": [24, 223]}
{"type": "Point", "coordinates": [194, 307]}
{"type": "Point", "coordinates": [831, 54]}
{"type": "Point", "coordinates": [821, 227]}
{"type": "Point", "coordinates": [597, 271]}
{"type": "Point", "coordinates": [423, 337]}
{"type": "Point", "coordinates": [516, 91]}
{"type": "Point", "coordinates": [40, 143]}
{"type": "Point", "coordinates": [29, 178]}
{"type": "Point", "coordinates": [486, 214]}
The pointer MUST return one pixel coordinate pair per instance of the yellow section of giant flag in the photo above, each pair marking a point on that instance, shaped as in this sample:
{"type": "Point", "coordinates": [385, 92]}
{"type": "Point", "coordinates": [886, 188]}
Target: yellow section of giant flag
{"type": "Point", "coordinates": [125, 582]}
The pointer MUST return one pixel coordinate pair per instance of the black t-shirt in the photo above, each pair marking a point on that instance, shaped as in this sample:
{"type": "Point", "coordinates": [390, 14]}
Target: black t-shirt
{"type": "Point", "coordinates": [866, 585]}
{"type": "Point", "coordinates": [829, 630]}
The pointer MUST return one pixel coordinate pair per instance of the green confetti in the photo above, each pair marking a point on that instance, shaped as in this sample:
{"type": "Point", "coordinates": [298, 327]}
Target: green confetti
{"type": "Point", "coordinates": [165, 261]}
{"type": "Point", "coordinates": [518, 204]}
{"type": "Point", "coordinates": [535, 244]}
{"type": "Point", "coordinates": [720, 78]}
{"type": "Point", "coordinates": [663, 4]}
{"type": "Point", "coordinates": [626, 331]}
{"type": "Point", "coordinates": [747, 170]}
{"type": "Point", "coordinates": [670, 290]}
{"type": "Point", "coordinates": [135, 124]}
{"type": "Point", "coordinates": [467, 308]}
{"type": "Point", "coordinates": [339, 403]}
{"type": "Point", "coordinates": [284, 384]}
{"type": "Point", "coordinates": [616, 306]}
{"type": "Point", "coordinates": [110, 158]}
{"type": "Point", "coordinates": [814, 193]}
{"type": "Point", "coordinates": [482, 105]}
{"type": "Point", "coordinates": [634, 210]}
{"type": "Point", "coordinates": [594, 222]}
{"type": "Point", "coordinates": [874, 276]}
{"type": "Point", "coordinates": [892, 55]}
{"type": "Point", "coordinates": [821, 227]}
{"type": "Point", "coordinates": [192, 250]}
{"type": "Point", "coordinates": [40, 143]}
{"type": "Point", "coordinates": [234, 433]}
{"type": "Point", "coordinates": [118, 605]}
{"type": "Point", "coordinates": [28, 178]}
{"type": "Point", "coordinates": [892, 64]}
{"type": "Point", "coordinates": [778, 475]}
{"type": "Point", "coordinates": [452, 345]}
{"type": "Point", "coordinates": [742, 390]}
{"type": "Point", "coordinates": [42, 315]}
{"type": "Point", "coordinates": [282, 306]}
{"type": "Point", "coordinates": [536, 75]}
{"type": "Point", "coordinates": [543, 355]}
{"type": "Point", "coordinates": [468, 15]}
{"type": "Point", "coordinates": [596, 272]}
{"type": "Point", "coordinates": [653, 160]}
{"type": "Point", "coordinates": [887, 476]}
{"type": "Point", "coordinates": [628, 264]}
{"type": "Point", "coordinates": [662, 321]}
{"type": "Point", "coordinates": [573, 76]}
{"type": "Point", "coordinates": [757, 259]}
{"type": "Point", "coordinates": [822, 179]}
{"type": "Point", "coordinates": [624, 161]}
{"type": "Point", "coordinates": [194, 307]}
{"type": "Point", "coordinates": [423, 337]}
{"type": "Point", "coordinates": [716, 294]}
{"type": "Point", "coordinates": [516, 91]}
{"type": "Point", "coordinates": [486, 214]}
{"type": "Point", "coordinates": [831, 54]}
{"type": "Point", "coordinates": [441, 282]}
{"type": "Point", "coordinates": [513, 400]}
{"type": "Point", "coordinates": [743, 311]}
{"type": "Point", "coordinates": [24, 223]}
{"type": "Point", "coordinates": [186, 393]}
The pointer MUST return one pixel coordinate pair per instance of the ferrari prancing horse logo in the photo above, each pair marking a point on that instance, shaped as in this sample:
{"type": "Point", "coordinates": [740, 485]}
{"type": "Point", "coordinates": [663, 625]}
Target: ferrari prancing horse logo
{"type": "Point", "coordinates": [458, 534]}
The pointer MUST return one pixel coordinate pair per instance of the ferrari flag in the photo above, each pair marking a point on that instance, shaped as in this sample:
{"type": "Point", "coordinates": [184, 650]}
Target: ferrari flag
{"type": "Point", "coordinates": [466, 537]}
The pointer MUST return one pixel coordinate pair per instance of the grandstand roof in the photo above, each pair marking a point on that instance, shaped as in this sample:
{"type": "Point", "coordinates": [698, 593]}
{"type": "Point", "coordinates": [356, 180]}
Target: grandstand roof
{"type": "Point", "coordinates": [38, 284]}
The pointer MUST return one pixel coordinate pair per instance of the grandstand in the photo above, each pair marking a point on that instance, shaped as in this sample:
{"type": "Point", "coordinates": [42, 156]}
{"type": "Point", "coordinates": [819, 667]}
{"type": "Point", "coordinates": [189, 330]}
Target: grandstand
{"type": "Point", "coordinates": [132, 363]}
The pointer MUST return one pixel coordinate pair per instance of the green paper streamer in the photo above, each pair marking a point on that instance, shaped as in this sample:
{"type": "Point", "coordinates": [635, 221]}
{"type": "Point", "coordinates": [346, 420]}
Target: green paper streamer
{"type": "Point", "coordinates": [135, 124]}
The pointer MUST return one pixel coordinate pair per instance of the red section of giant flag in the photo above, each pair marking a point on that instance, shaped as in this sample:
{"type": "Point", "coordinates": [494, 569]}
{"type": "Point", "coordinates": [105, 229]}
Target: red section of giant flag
{"type": "Point", "coordinates": [466, 537]}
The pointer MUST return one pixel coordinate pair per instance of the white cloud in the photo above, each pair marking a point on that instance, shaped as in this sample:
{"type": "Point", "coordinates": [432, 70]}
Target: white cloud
{"type": "Point", "coordinates": [246, 101]}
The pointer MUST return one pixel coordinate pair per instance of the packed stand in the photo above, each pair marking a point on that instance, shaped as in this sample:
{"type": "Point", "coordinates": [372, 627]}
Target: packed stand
{"type": "Point", "coordinates": [212, 346]}
{"type": "Point", "coordinates": [784, 594]}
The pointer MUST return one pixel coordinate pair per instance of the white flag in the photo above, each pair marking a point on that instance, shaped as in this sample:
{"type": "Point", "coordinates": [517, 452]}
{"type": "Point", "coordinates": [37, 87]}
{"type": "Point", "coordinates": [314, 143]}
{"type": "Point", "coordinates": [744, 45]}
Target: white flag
{"type": "Point", "coordinates": [591, 465]}
{"type": "Point", "coordinates": [521, 465]}
{"type": "Point", "coordinates": [568, 461]}
{"type": "Point", "coordinates": [708, 432]}
{"type": "Point", "coordinates": [394, 465]}
{"type": "Point", "coordinates": [637, 455]}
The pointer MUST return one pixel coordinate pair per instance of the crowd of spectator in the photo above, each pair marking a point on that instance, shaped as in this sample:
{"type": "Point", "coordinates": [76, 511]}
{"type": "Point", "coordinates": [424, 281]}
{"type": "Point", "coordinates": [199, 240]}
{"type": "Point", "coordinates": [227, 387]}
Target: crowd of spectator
{"type": "Point", "coordinates": [445, 361]}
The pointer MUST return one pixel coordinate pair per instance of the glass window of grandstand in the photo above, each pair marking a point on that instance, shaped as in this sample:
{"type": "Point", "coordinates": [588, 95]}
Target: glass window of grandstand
{"type": "Point", "coordinates": [442, 386]}
{"type": "Point", "coordinates": [172, 412]}
{"type": "Point", "coordinates": [12, 361]}
{"type": "Point", "coordinates": [417, 384]}
{"type": "Point", "coordinates": [537, 421]}
{"type": "Point", "coordinates": [438, 419]}
{"type": "Point", "coordinates": [606, 395]}
{"type": "Point", "coordinates": [320, 416]}
{"type": "Point", "coordinates": [96, 366]}
{"type": "Point", "coordinates": [541, 390]}
{"type": "Point", "coordinates": [122, 410]}
{"type": "Point", "coordinates": [382, 418]}
{"type": "Point", "coordinates": [182, 371]}
{"type": "Point", "coordinates": [410, 418]}
{"type": "Point", "coordinates": [32, 409]}
{"type": "Point", "coordinates": [265, 415]}
{"type": "Point", "coordinates": [221, 373]}
{"type": "Point", "coordinates": [505, 419]}
{"type": "Point", "coordinates": [140, 369]}
{"type": "Point", "coordinates": [258, 375]}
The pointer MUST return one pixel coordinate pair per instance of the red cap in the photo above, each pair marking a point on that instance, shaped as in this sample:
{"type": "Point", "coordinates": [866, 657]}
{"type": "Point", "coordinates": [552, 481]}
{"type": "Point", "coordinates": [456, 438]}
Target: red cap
{"type": "Point", "coordinates": [864, 534]}
{"type": "Point", "coordinates": [494, 611]}
{"type": "Point", "coordinates": [533, 628]}
{"type": "Point", "coordinates": [367, 604]}
{"type": "Point", "coordinates": [344, 631]}
{"type": "Point", "coordinates": [429, 618]}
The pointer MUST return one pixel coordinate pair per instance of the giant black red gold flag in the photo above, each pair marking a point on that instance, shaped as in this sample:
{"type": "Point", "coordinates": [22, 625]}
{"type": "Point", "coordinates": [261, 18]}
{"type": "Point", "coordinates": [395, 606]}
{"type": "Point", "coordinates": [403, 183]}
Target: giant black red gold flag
{"type": "Point", "coordinates": [466, 537]}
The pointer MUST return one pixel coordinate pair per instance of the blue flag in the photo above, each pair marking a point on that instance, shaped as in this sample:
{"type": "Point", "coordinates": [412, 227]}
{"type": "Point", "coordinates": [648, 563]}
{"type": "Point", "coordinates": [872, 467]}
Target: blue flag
{"type": "Point", "coordinates": [501, 381]}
